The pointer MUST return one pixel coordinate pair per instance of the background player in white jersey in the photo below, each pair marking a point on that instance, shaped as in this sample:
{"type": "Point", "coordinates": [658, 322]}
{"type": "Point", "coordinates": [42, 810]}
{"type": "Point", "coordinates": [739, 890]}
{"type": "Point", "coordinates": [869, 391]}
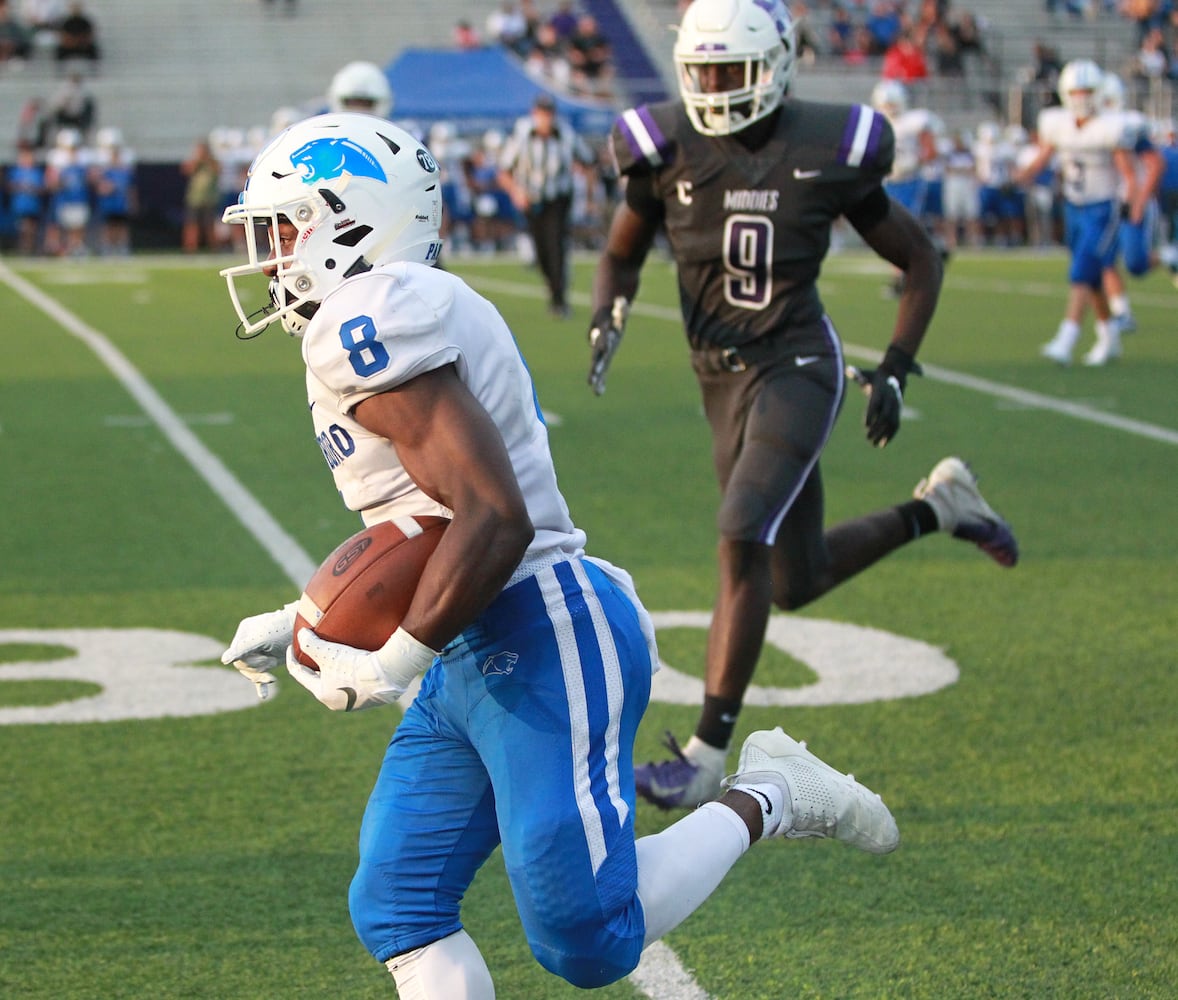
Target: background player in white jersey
{"type": "Point", "coordinates": [1093, 160]}
{"type": "Point", "coordinates": [961, 202]}
{"type": "Point", "coordinates": [1135, 237]}
{"type": "Point", "coordinates": [747, 183]}
{"type": "Point", "coordinates": [536, 658]}
{"type": "Point", "coordinates": [918, 157]}
{"type": "Point", "coordinates": [1001, 202]}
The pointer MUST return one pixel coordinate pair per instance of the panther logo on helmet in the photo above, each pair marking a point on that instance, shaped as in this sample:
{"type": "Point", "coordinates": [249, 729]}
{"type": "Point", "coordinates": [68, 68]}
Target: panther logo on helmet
{"type": "Point", "coordinates": [326, 159]}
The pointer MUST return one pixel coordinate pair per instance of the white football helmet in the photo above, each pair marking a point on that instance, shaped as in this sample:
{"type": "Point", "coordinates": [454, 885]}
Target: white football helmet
{"type": "Point", "coordinates": [362, 87]}
{"type": "Point", "coordinates": [1111, 95]}
{"type": "Point", "coordinates": [989, 133]}
{"type": "Point", "coordinates": [360, 192]}
{"type": "Point", "coordinates": [1079, 82]}
{"type": "Point", "coordinates": [890, 98]}
{"type": "Point", "coordinates": [736, 33]}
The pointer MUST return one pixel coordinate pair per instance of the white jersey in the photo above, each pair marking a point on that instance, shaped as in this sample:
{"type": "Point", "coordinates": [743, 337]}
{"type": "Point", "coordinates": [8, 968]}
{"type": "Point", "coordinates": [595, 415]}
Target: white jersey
{"type": "Point", "coordinates": [995, 163]}
{"type": "Point", "coordinates": [378, 330]}
{"type": "Point", "coordinates": [909, 128]}
{"type": "Point", "coordinates": [1085, 153]}
{"type": "Point", "coordinates": [1136, 136]}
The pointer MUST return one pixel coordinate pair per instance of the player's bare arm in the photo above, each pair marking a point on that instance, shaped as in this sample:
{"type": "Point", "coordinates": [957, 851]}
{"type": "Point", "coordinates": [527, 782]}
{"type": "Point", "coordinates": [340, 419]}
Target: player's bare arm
{"type": "Point", "coordinates": [900, 239]}
{"type": "Point", "coordinates": [630, 238]}
{"type": "Point", "coordinates": [449, 446]}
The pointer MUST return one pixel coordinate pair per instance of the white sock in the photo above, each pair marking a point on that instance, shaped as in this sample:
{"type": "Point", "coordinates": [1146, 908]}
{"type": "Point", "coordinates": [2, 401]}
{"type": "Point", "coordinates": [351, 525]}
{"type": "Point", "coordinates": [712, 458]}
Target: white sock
{"type": "Point", "coordinates": [681, 866]}
{"type": "Point", "coordinates": [1106, 332]}
{"type": "Point", "coordinates": [448, 969]}
{"type": "Point", "coordinates": [1067, 334]}
{"type": "Point", "coordinates": [1119, 304]}
{"type": "Point", "coordinates": [706, 755]}
{"type": "Point", "coordinates": [774, 807]}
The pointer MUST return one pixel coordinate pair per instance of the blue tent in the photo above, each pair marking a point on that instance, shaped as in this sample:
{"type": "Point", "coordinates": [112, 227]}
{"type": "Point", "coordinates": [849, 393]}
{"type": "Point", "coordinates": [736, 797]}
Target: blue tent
{"type": "Point", "coordinates": [477, 90]}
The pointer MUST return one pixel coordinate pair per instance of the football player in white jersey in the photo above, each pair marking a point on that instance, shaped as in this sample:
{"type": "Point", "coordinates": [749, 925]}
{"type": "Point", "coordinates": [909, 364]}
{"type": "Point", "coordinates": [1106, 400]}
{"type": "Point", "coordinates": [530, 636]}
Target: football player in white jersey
{"type": "Point", "coordinates": [1094, 159]}
{"type": "Point", "coordinates": [1135, 237]}
{"type": "Point", "coordinates": [918, 166]}
{"type": "Point", "coordinates": [536, 658]}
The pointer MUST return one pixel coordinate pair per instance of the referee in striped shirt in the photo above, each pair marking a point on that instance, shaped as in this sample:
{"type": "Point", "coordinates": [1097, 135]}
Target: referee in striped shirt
{"type": "Point", "coordinates": [536, 170]}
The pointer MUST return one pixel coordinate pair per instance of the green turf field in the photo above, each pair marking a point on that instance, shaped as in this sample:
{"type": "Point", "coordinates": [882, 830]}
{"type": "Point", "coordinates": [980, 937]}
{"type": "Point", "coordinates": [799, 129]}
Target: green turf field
{"type": "Point", "coordinates": [156, 495]}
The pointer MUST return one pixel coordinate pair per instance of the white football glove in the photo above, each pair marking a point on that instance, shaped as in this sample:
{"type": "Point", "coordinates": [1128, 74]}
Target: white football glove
{"type": "Point", "coordinates": [259, 646]}
{"type": "Point", "coordinates": [349, 679]}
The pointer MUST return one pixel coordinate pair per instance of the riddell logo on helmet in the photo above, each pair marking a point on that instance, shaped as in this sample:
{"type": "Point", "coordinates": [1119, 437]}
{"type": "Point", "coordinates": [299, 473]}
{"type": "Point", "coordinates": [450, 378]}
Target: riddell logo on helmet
{"type": "Point", "coordinates": [344, 224]}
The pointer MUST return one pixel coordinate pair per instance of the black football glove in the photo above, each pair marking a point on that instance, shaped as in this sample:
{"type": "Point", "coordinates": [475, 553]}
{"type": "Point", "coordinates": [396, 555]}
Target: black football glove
{"type": "Point", "coordinates": [884, 387]}
{"type": "Point", "coordinates": [605, 336]}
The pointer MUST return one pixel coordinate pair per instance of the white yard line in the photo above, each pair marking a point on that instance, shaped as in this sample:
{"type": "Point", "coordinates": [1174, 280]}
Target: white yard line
{"type": "Point", "coordinates": [1023, 397]}
{"type": "Point", "coordinates": [284, 550]}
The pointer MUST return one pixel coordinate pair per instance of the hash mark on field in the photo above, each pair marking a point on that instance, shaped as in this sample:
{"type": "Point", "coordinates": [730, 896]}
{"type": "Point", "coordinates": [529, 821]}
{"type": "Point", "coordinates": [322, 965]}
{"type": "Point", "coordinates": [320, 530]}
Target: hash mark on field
{"type": "Point", "coordinates": [192, 420]}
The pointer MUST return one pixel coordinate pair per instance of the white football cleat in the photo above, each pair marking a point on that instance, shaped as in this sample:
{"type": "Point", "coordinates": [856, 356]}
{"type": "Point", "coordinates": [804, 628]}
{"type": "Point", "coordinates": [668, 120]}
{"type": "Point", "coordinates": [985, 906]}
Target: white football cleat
{"type": "Point", "coordinates": [825, 802]}
{"type": "Point", "coordinates": [951, 489]}
{"type": "Point", "coordinates": [1058, 352]}
{"type": "Point", "coordinates": [1102, 353]}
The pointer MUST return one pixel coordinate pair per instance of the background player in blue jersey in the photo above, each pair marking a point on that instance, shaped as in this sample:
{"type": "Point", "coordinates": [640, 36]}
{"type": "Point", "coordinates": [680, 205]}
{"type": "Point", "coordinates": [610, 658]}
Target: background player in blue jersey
{"type": "Point", "coordinates": [747, 186]}
{"type": "Point", "coordinates": [536, 658]}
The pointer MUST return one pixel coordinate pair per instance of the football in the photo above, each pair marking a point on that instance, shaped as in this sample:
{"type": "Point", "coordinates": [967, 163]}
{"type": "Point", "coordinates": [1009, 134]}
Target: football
{"type": "Point", "coordinates": [360, 592]}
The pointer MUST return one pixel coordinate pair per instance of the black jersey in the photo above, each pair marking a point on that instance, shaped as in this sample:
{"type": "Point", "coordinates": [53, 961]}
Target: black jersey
{"type": "Point", "coordinates": [749, 229]}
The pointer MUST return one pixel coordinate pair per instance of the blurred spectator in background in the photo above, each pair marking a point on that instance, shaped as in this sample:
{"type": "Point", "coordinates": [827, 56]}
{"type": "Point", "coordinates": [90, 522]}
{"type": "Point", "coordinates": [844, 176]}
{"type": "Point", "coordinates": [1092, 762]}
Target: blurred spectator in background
{"type": "Point", "coordinates": [24, 185]}
{"type": "Point", "coordinates": [33, 125]}
{"type": "Point", "coordinates": [16, 40]}
{"type": "Point", "coordinates": [508, 27]}
{"type": "Point", "coordinates": [904, 60]}
{"type": "Point", "coordinates": [465, 36]}
{"type": "Point", "coordinates": [884, 24]}
{"type": "Point", "coordinates": [67, 180]}
{"type": "Point", "coordinates": [546, 62]}
{"type": "Point", "coordinates": [840, 31]}
{"type": "Point", "coordinates": [112, 178]}
{"type": "Point", "coordinates": [42, 17]}
{"type": "Point", "coordinates": [1151, 61]}
{"type": "Point", "coordinates": [233, 153]}
{"type": "Point", "coordinates": [1076, 8]}
{"type": "Point", "coordinates": [1145, 14]}
{"type": "Point", "coordinates": [202, 198]}
{"type": "Point", "coordinates": [564, 20]}
{"type": "Point", "coordinates": [74, 105]}
{"type": "Point", "coordinates": [591, 58]}
{"type": "Point", "coordinates": [1045, 64]}
{"type": "Point", "coordinates": [948, 60]}
{"type": "Point", "coordinates": [77, 36]}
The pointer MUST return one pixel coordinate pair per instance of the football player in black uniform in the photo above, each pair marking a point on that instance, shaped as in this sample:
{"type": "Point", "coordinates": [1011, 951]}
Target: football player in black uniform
{"type": "Point", "coordinates": [747, 185]}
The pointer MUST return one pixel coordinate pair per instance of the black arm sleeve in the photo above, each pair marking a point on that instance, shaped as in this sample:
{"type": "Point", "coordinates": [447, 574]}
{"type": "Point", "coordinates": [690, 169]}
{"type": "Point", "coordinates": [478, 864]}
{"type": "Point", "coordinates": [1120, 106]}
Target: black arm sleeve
{"type": "Point", "coordinates": [641, 197]}
{"type": "Point", "coordinates": [871, 211]}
